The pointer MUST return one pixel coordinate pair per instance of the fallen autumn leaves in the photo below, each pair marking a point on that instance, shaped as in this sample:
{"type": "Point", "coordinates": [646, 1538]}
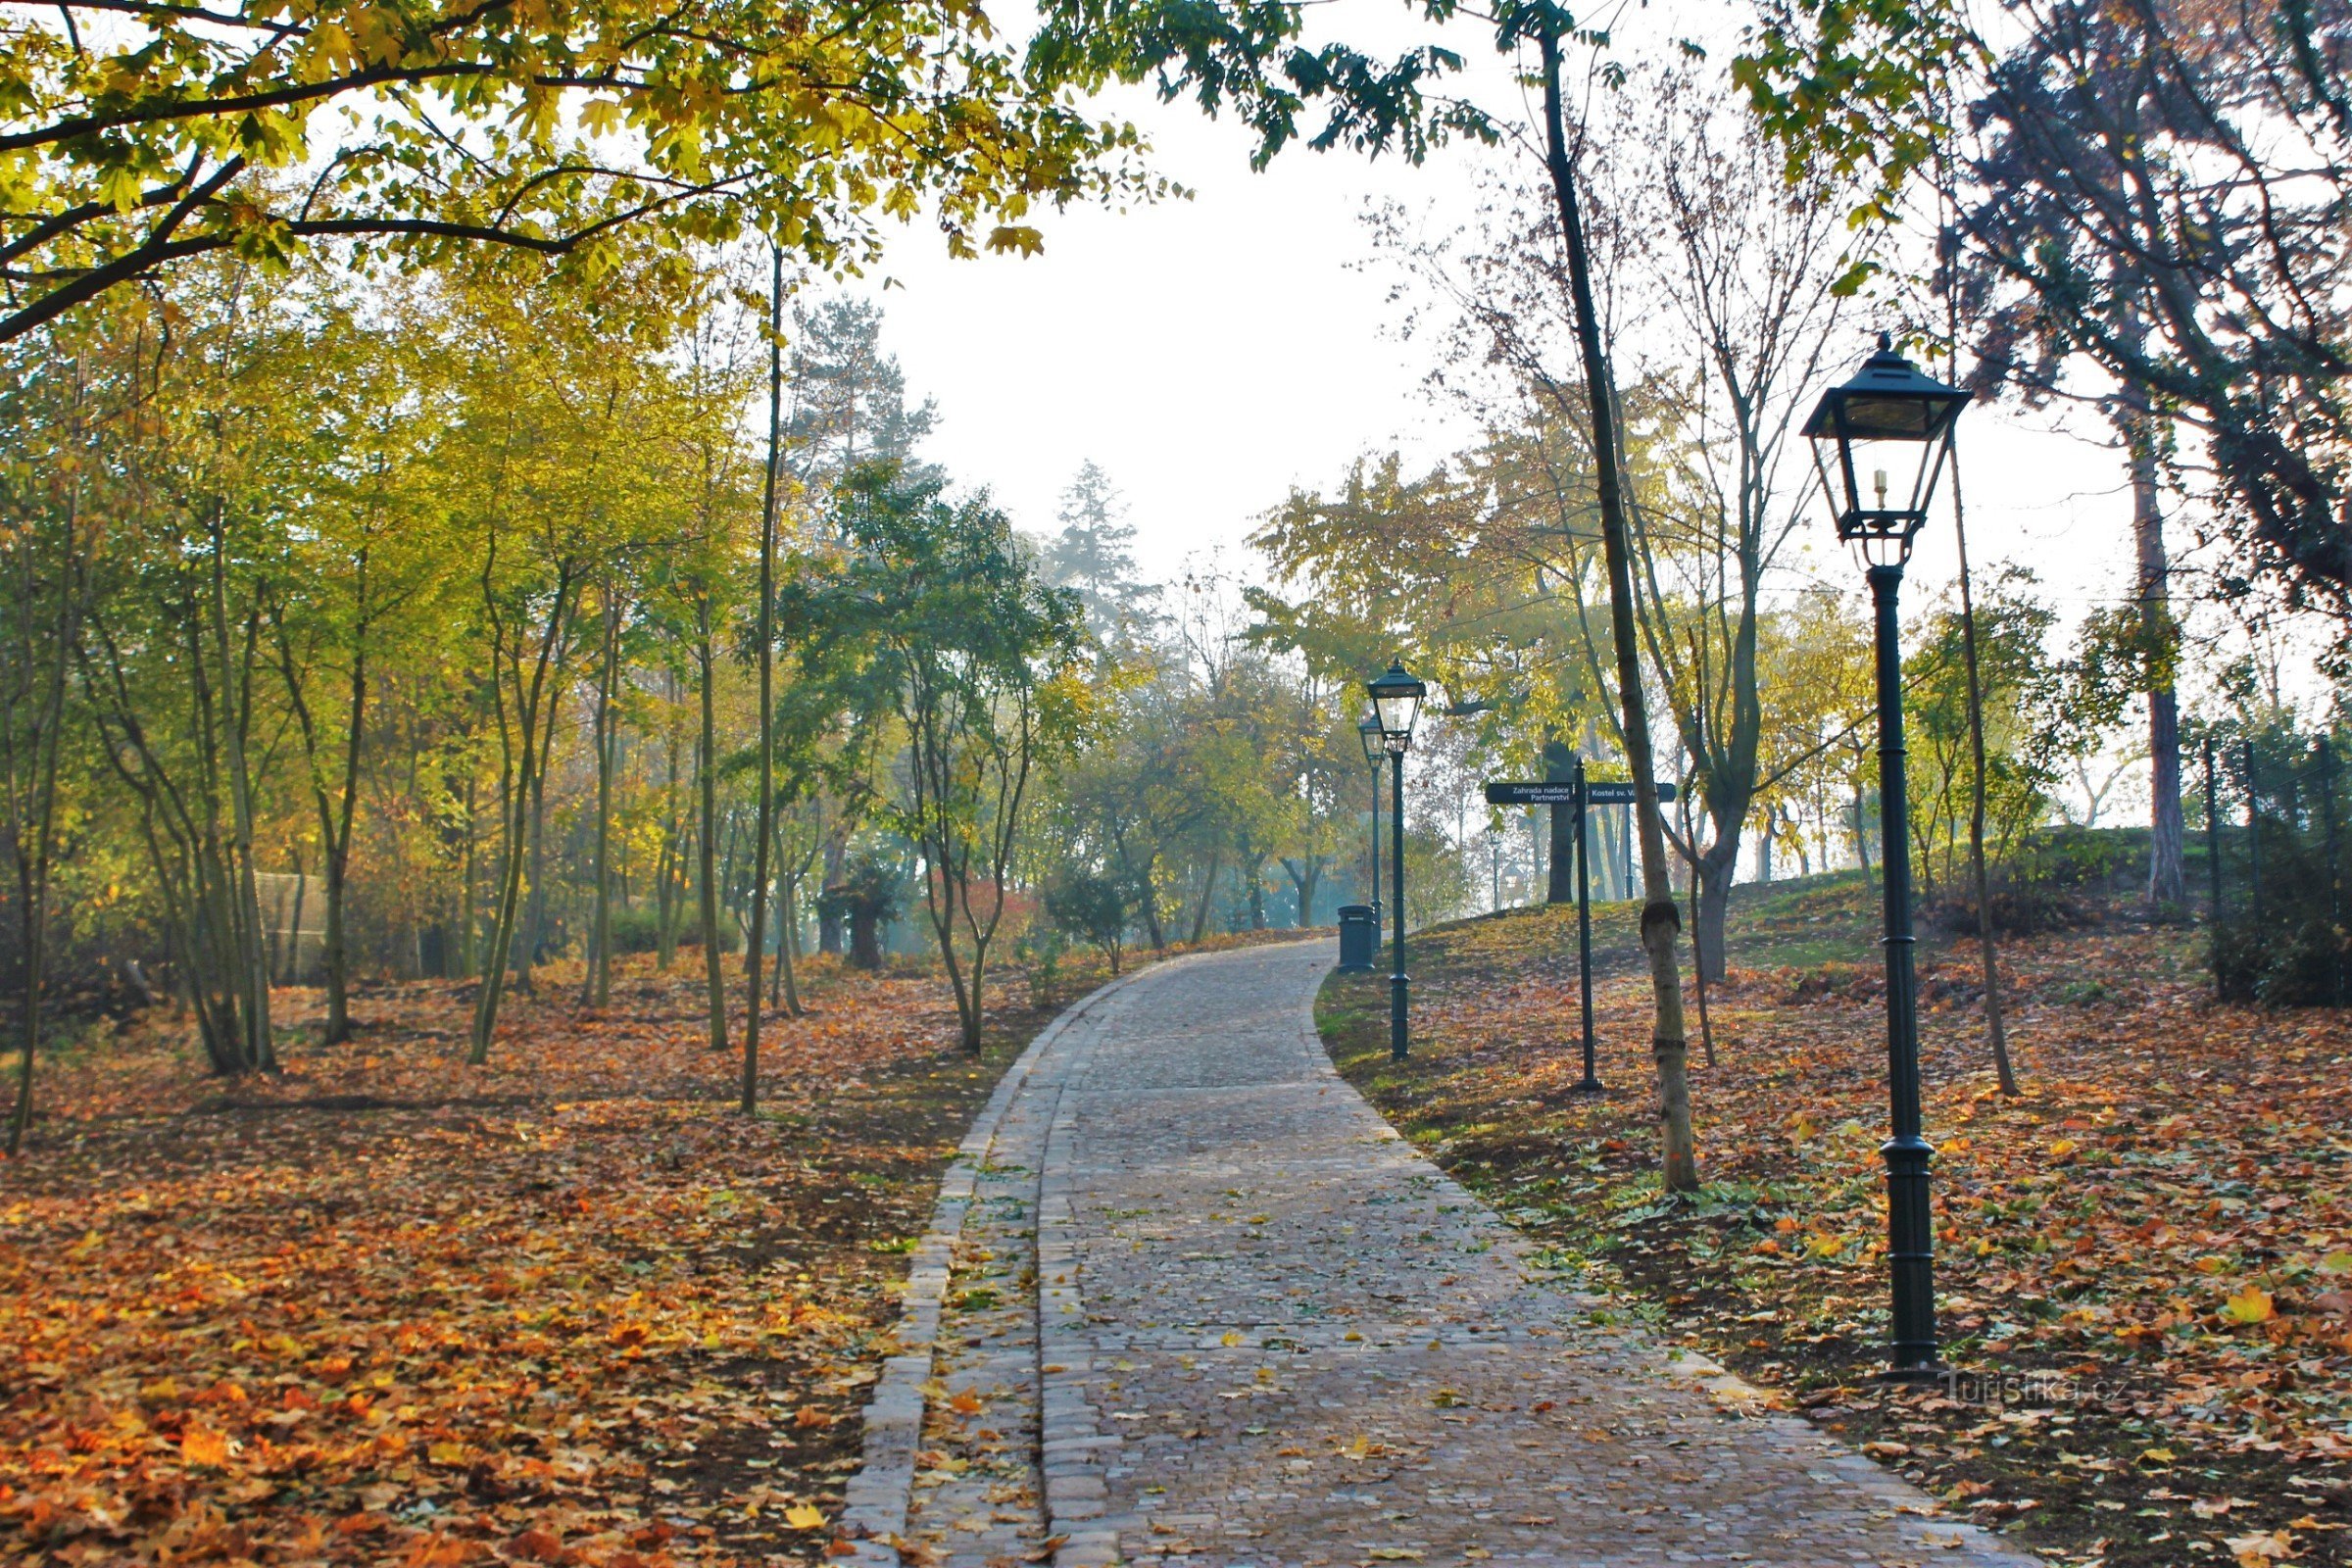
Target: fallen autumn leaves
{"type": "Point", "coordinates": [565, 1308]}
{"type": "Point", "coordinates": [2146, 1261]}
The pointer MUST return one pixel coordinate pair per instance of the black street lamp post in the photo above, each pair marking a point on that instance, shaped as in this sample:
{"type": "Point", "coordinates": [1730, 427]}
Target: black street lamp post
{"type": "Point", "coordinates": [1395, 699]}
{"type": "Point", "coordinates": [1368, 732]}
{"type": "Point", "coordinates": [1891, 417]}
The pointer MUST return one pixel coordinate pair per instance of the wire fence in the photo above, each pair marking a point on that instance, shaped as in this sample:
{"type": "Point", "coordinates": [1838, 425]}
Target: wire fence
{"type": "Point", "coordinates": [2274, 807]}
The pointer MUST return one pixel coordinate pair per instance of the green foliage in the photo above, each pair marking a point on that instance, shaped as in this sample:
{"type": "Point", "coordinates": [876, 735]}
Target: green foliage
{"type": "Point", "coordinates": [139, 141]}
{"type": "Point", "coordinates": [1091, 908]}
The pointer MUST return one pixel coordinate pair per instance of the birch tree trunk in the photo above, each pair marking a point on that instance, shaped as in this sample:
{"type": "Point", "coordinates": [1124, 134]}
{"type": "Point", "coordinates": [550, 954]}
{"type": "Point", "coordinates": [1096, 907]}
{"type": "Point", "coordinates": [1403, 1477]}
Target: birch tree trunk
{"type": "Point", "coordinates": [1661, 919]}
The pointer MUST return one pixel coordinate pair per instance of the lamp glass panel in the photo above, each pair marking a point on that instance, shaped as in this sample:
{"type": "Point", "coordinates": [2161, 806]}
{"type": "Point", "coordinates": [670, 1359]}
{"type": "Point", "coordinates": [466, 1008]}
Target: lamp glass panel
{"type": "Point", "coordinates": [1397, 710]}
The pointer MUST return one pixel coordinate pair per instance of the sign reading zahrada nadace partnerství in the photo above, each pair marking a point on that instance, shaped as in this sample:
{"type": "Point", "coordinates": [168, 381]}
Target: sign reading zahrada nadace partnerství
{"type": "Point", "coordinates": [1613, 792]}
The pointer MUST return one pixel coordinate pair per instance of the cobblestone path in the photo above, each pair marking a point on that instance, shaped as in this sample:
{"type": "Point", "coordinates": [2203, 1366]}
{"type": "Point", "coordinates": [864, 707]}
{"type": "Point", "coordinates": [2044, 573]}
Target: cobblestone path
{"type": "Point", "coordinates": [1207, 1305]}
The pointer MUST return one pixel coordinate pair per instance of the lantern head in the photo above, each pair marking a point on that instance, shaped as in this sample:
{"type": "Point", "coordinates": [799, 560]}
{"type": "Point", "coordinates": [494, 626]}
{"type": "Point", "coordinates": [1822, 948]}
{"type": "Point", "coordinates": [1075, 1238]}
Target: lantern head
{"type": "Point", "coordinates": [1395, 701]}
{"type": "Point", "coordinates": [1880, 442]}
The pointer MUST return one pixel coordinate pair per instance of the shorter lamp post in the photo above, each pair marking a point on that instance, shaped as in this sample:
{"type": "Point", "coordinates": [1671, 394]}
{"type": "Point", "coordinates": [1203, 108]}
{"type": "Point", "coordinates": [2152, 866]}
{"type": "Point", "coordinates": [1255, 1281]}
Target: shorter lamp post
{"type": "Point", "coordinates": [1889, 418]}
{"type": "Point", "coordinates": [1368, 732]}
{"type": "Point", "coordinates": [1395, 701]}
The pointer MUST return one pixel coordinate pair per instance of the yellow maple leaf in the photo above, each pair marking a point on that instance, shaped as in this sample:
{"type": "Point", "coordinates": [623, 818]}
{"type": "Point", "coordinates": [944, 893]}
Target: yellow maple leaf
{"type": "Point", "coordinates": [804, 1516]}
{"type": "Point", "coordinates": [2249, 1306]}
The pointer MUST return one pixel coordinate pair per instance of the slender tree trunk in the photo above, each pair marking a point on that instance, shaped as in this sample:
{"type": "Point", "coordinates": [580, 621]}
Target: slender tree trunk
{"type": "Point", "coordinates": [666, 875]}
{"type": "Point", "coordinates": [2168, 885]}
{"type": "Point", "coordinates": [534, 931]}
{"type": "Point", "coordinates": [1699, 969]}
{"type": "Point", "coordinates": [788, 941]}
{"type": "Point", "coordinates": [1209, 887]}
{"type": "Point", "coordinates": [714, 975]}
{"type": "Point", "coordinates": [765, 831]}
{"type": "Point", "coordinates": [1660, 918]}
{"type": "Point", "coordinates": [535, 708]}
{"type": "Point", "coordinates": [1988, 954]}
{"type": "Point", "coordinates": [335, 954]}
{"type": "Point", "coordinates": [461, 955]}
{"type": "Point", "coordinates": [261, 1049]}
{"type": "Point", "coordinates": [596, 987]}
{"type": "Point", "coordinates": [32, 803]}
{"type": "Point", "coordinates": [292, 969]}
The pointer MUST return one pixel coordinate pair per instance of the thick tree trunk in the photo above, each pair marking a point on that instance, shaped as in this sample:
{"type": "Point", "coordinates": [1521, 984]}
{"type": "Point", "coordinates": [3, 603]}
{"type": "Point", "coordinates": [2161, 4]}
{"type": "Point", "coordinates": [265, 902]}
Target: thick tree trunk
{"type": "Point", "coordinates": [1559, 886]}
{"type": "Point", "coordinates": [1711, 909]}
{"type": "Point", "coordinates": [1660, 918]}
{"type": "Point", "coordinates": [828, 916]}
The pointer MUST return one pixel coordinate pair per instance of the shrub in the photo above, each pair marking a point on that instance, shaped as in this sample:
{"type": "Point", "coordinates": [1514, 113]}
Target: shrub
{"type": "Point", "coordinates": [2049, 882]}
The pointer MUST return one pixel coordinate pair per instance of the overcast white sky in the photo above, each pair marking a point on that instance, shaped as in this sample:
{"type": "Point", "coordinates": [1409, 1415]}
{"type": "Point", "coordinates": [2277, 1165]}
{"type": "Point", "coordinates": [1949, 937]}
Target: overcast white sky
{"type": "Point", "coordinates": [1212, 353]}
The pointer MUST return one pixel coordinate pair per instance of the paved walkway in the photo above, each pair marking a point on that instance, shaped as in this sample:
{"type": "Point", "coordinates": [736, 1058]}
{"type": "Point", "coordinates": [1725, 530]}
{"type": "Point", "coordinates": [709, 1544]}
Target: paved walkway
{"type": "Point", "coordinates": [1205, 1303]}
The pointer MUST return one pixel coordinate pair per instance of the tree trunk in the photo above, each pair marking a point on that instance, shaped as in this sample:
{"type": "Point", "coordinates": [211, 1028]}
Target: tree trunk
{"type": "Point", "coordinates": [1660, 918]}
{"type": "Point", "coordinates": [1559, 884]}
{"type": "Point", "coordinates": [237, 711]}
{"type": "Point", "coordinates": [788, 941]}
{"type": "Point", "coordinates": [1209, 889]}
{"type": "Point", "coordinates": [1710, 907]}
{"type": "Point", "coordinates": [829, 914]}
{"type": "Point", "coordinates": [1699, 888]}
{"type": "Point", "coordinates": [705, 767]}
{"type": "Point", "coordinates": [336, 955]}
{"type": "Point", "coordinates": [596, 987]}
{"type": "Point", "coordinates": [2167, 859]}
{"type": "Point", "coordinates": [1987, 956]}
{"type": "Point", "coordinates": [766, 831]}
{"type": "Point", "coordinates": [32, 787]}
{"type": "Point", "coordinates": [535, 707]}
{"type": "Point", "coordinates": [460, 957]}
{"type": "Point", "coordinates": [292, 970]}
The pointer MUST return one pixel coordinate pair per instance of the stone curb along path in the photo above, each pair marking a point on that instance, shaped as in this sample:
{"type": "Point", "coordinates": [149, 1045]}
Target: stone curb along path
{"type": "Point", "coordinates": [1267, 1332]}
{"type": "Point", "coordinates": [877, 1500]}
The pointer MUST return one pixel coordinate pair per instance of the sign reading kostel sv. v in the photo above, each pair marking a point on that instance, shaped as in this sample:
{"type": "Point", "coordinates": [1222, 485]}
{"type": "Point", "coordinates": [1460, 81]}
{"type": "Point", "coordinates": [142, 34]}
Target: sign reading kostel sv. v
{"type": "Point", "coordinates": [1613, 792]}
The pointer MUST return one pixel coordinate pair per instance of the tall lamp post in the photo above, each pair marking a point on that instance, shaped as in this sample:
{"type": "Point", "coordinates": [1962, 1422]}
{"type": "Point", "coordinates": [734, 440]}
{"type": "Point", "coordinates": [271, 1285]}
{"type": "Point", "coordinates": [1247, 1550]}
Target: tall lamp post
{"type": "Point", "coordinates": [1368, 731]}
{"type": "Point", "coordinates": [1395, 701]}
{"type": "Point", "coordinates": [1891, 421]}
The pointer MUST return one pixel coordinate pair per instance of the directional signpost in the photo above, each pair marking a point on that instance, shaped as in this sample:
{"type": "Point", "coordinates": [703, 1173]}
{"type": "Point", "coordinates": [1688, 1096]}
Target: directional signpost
{"type": "Point", "coordinates": [1579, 794]}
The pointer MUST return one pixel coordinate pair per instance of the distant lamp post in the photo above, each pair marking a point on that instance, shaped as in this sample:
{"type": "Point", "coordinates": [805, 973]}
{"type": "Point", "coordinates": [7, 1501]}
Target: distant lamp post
{"type": "Point", "coordinates": [1881, 442]}
{"type": "Point", "coordinates": [1368, 731]}
{"type": "Point", "coordinates": [1396, 702]}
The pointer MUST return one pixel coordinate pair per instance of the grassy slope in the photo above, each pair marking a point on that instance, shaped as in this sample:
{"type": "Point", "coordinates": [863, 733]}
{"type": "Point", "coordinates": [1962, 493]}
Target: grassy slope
{"type": "Point", "coordinates": [2174, 1170]}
